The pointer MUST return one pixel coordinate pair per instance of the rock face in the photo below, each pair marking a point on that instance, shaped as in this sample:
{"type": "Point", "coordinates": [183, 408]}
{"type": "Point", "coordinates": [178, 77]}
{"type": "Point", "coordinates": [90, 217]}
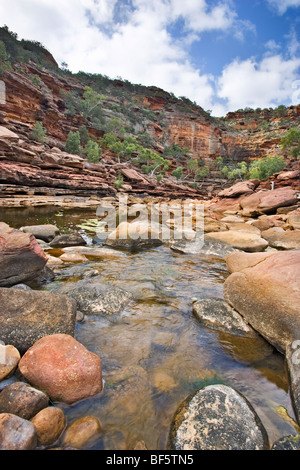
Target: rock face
{"type": "Point", "coordinates": [266, 293]}
{"type": "Point", "coordinates": [16, 433]}
{"type": "Point", "coordinates": [63, 368]}
{"type": "Point", "coordinates": [21, 257]}
{"type": "Point", "coordinates": [217, 417]}
{"type": "Point", "coordinates": [27, 316]}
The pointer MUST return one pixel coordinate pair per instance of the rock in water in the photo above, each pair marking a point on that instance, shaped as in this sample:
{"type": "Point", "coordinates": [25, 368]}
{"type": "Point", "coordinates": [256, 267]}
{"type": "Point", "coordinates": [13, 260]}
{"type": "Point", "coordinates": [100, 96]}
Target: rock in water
{"type": "Point", "coordinates": [50, 423]}
{"type": "Point", "coordinates": [95, 297]}
{"type": "Point", "coordinates": [21, 257]}
{"type": "Point", "coordinates": [63, 368]}
{"type": "Point", "coordinates": [217, 314]}
{"type": "Point", "coordinates": [267, 295]}
{"type": "Point", "coordinates": [45, 232]}
{"type": "Point", "coordinates": [27, 316]}
{"type": "Point", "coordinates": [16, 433]}
{"type": "Point", "coordinates": [68, 239]}
{"type": "Point", "coordinates": [217, 417]}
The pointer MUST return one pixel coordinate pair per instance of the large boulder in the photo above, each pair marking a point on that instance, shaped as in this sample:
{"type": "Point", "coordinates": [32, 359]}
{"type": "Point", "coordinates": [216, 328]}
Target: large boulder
{"type": "Point", "coordinates": [46, 232]}
{"type": "Point", "coordinates": [282, 239]}
{"type": "Point", "coordinates": [264, 202]}
{"type": "Point", "coordinates": [266, 293]}
{"type": "Point", "coordinates": [217, 417]}
{"type": "Point", "coordinates": [239, 189]}
{"type": "Point", "coordinates": [67, 240]}
{"type": "Point", "coordinates": [21, 257]}
{"type": "Point", "coordinates": [27, 316]}
{"type": "Point", "coordinates": [134, 236]}
{"type": "Point", "coordinates": [63, 368]}
{"type": "Point", "coordinates": [247, 241]}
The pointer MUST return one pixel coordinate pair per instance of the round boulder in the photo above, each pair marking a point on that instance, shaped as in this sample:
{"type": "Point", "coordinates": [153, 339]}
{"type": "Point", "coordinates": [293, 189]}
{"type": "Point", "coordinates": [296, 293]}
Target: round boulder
{"type": "Point", "coordinates": [63, 368]}
{"type": "Point", "coordinates": [217, 417]}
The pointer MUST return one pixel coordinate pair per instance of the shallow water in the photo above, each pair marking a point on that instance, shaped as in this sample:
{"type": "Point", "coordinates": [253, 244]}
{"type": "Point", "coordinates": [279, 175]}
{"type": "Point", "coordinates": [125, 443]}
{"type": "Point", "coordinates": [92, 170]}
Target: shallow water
{"type": "Point", "coordinates": [155, 352]}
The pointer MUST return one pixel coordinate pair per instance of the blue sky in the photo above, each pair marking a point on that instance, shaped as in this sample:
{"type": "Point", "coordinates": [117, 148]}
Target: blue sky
{"type": "Point", "coordinates": [224, 55]}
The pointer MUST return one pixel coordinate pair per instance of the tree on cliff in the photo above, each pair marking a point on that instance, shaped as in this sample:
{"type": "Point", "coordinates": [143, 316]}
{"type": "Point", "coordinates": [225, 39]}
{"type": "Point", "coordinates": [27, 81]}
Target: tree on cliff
{"type": "Point", "coordinates": [291, 142]}
{"type": "Point", "coordinates": [38, 133]}
{"type": "Point", "coordinates": [73, 143]}
{"type": "Point", "coordinates": [4, 62]}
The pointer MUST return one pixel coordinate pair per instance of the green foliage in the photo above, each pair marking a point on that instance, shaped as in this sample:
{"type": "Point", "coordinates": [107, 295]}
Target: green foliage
{"type": "Point", "coordinates": [238, 172]}
{"type": "Point", "coordinates": [116, 126]}
{"type": "Point", "coordinates": [175, 151]}
{"type": "Point", "coordinates": [38, 133]}
{"type": "Point", "coordinates": [71, 100]}
{"type": "Point", "coordinates": [35, 80]}
{"type": "Point", "coordinates": [91, 107]}
{"type": "Point", "coordinates": [92, 151]}
{"type": "Point", "coordinates": [291, 142]}
{"type": "Point", "coordinates": [84, 135]}
{"type": "Point", "coordinates": [281, 111]}
{"type": "Point", "coordinates": [73, 143]}
{"type": "Point", "coordinates": [192, 165]}
{"type": "Point", "coordinates": [119, 181]}
{"type": "Point", "coordinates": [178, 173]}
{"type": "Point", "coordinates": [266, 167]}
{"type": "Point", "coordinates": [3, 57]}
{"type": "Point", "coordinates": [202, 173]}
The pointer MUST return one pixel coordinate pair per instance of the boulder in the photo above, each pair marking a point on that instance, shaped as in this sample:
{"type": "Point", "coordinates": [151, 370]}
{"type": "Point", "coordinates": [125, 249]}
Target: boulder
{"type": "Point", "coordinates": [239, 189]}
{"type": "Point", "coordinates": [294, 221]}
{"type": "Point", "coordinates": [21, 257]}
{"type": "Point", "coordinates": [45, 232]}
{"type": "Point", "coordinates": [27, 316]}
{"type": "Point", "coordinates": [239, 261]}
{"type": "Point", "coordinates": [9, 359]}
{"type": "Point", "coordinates": [16, 433]}
{"type": "Point", "coordinates": [22, 400]}
{"type": "Point", "coordinates": [217, 417]}
{"type": "Point", "coordinates": [247, 241]}
{"type": "Point", "coordinates": [134, 236]}
{"type": "Point", "coordinates": [68, 239]}
{"type": "Point", "coordinates": [7, 134]}
{"type": "Point", "coordinates": [95, 297]}
{"type": "Point", "coordinates": [218, 315]}
{"type": "Point", "coordinates": [83, 432]}
{"type": "Point", "coordinates": [268, 201]}
{"type": "Point", "coordinates": [267, 295]}
{"type": "Point", "coordinates": [281, 239]}
{"type": "Point", "coordinates": [50, 423]}
{"type": "Point", "coordinates": [63, 368]}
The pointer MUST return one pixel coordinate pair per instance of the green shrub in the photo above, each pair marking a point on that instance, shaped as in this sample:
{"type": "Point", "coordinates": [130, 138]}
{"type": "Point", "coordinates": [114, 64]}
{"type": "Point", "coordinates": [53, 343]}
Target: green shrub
{"type": "Point", "coordinates": [178, 173]}
{"type": "Point", "coordinates": [119, 181]}
{"type": "Point", "coordinates": [264, 168]}
{"type": "Point", "coordinates": [92, 151]}
{"type": "Point", "coordinates": [73, 143]}
{"type": "Point", "coordinates": [291, 142]}
{"type": "Point", "coordinates": [38, 133]}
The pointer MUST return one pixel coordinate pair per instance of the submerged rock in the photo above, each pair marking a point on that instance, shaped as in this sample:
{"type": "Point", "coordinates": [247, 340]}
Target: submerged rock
{"type": "Point", "coordinates": [95, 297]}
{"type": "Point", "coordinates": [218, 315]}
{"type": "Point", "coordinates": [68, 239]}
{"type": "Point", "coordinates": [217, 417]}
{"type": "Point", "coordinates": [63, 368]}
{"type": "Point", "coordinates": [203, 247]}
{"type": "Point", "coordinates": [27, 316]}
{"type": "Point", "coordinates": [83, 432]}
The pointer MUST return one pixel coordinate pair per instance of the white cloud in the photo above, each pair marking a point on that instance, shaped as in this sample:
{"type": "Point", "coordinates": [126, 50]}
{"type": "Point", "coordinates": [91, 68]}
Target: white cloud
{"type": "Point", "coordinates": [267, 83]}
{"type": "Point", "coordinates": [281, 6]}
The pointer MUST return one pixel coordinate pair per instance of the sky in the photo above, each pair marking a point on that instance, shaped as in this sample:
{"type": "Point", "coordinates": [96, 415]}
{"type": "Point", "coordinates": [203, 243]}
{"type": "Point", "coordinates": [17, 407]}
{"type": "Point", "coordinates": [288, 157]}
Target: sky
{"type": "Point", "coordinates": [224, 55]}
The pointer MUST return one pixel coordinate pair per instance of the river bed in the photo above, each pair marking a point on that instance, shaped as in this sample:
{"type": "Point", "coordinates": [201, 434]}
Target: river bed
{"type": "Point", "coordinates": [155, 352]}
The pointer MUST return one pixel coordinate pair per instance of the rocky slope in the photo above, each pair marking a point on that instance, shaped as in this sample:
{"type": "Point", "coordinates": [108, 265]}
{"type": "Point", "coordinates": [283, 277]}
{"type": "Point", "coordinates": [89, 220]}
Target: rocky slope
{"type": "Point", "coordinates": [39, 91]}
